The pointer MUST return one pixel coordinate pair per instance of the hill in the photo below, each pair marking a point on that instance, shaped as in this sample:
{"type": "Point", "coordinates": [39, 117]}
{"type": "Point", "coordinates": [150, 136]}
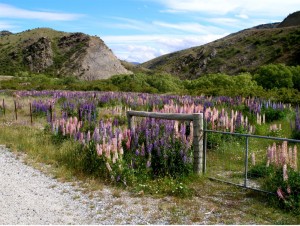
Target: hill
{"type": "Point", "coordinates": [239, 52]}
{"type": "Point", "coordinates": [44, 50]}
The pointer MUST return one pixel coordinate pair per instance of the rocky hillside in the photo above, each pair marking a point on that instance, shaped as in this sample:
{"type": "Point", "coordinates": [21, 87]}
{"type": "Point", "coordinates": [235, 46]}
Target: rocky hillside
{"type": "Point", "coordinates": [239, 52]}
{"type": "Point", "coordinates": [48, 51]}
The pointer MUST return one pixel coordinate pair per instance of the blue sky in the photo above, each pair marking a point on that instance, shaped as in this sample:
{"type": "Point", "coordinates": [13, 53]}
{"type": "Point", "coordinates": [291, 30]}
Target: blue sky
{"type": "Point", "coordinates": [139, 30]}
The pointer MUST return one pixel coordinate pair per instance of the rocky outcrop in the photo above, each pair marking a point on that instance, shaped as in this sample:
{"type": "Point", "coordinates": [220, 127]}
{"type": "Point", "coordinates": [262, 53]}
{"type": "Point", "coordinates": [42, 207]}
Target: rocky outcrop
{"type": "Point", "coordinates": [39, 55]}
{"type": "Point", "coordinates": [5, 33]}
{"type": "Point", "coordinates": [90, 58]}
{"type": "Point", "coordinates": [59, 54]}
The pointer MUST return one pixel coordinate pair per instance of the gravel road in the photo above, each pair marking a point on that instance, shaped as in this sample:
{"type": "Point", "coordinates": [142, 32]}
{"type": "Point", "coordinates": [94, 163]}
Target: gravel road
{"type": "Point", "coordinates": [27, 196]}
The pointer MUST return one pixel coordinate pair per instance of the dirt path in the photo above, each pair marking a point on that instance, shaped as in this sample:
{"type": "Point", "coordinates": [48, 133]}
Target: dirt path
{"type": "Point", "coordinates": [28, 196]}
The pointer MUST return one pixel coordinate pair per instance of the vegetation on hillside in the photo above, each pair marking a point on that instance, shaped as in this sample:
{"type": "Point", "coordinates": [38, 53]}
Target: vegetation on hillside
{"type": "Point", "coordinates": [274, 81]}
{"type": "Point", "coordinates": [244, 51]}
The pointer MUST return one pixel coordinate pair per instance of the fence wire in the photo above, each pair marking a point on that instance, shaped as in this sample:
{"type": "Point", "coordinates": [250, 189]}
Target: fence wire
{"type": "Point", "coordinates": [239, 159]}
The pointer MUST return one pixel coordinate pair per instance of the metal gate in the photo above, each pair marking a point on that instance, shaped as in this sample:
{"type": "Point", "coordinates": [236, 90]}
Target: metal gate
{"type": "Point", "coordinates": [232, 157]}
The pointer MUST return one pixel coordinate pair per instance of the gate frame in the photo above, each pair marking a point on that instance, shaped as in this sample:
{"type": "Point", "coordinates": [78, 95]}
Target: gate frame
{"type": "Point", "coordinates": [199, 163]}
{"type": "Point", "coordinates": [246, 154]}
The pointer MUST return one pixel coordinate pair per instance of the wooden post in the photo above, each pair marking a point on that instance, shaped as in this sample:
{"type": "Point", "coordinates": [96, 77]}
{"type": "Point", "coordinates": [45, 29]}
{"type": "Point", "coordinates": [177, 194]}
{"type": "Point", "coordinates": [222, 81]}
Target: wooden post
{"type": "Point", "coordinates": [3, 106]}
{"type": "Point", "coordinates": [50, 111]}
{"type": "Point", "coordinates": [129, 120]}
{"type": "Point", "coordinates": [30, 109]}
{"type": "Point", "coordinates": [16, 111]}
{"type": "Point", "coordinates": [198, 143]}
{"type": "Point", "coordinates": [79, 114]}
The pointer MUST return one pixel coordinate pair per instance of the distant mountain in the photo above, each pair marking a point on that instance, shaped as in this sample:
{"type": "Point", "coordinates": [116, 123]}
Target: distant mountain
{"type": "Point", "coordinates": [238, 52]}
{"type": "Point", "coordinates": [44, 50]}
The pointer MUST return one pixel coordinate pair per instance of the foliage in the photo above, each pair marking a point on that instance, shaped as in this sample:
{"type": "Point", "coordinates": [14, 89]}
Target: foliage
{"type": "Point", "coordinates": [273, 114]}
{"type": "Point", "coordinates": [274, 76]}
{"type": "Point", "coordinates": [286, 90]}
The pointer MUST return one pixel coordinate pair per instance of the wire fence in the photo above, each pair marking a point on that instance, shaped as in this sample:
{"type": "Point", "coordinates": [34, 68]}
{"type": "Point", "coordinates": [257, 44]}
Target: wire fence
{"type": "Point", "coordinates": [236, 158]}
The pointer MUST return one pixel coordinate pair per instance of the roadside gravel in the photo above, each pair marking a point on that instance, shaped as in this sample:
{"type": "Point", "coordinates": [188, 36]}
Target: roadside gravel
{"type": "Point", "coordinates": [27, 196]}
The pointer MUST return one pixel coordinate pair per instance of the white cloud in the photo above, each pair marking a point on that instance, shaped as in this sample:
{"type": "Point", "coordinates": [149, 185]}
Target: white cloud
{"type": "Point", "coordinates": [264, 8]}
{"type": "Point", "coordinates": [141, 48]}
{"type": "Point", "coordinates": [242, 16]}
{"type": "Point", "coordinates": [190, 27]}
{"type": "Point", "coordinates": [6, 26]}
{"type": "Point", "coordinates": [127, 23]}
{"type": "Point", "coordinates": [209, 6]}
{"type": "Point", "coordinates": [8, 11]}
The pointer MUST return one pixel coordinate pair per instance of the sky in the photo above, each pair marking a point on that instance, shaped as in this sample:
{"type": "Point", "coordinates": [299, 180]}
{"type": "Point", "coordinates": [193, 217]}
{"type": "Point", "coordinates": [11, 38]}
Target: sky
{"type": "Point", "coordinates": [140, 30]}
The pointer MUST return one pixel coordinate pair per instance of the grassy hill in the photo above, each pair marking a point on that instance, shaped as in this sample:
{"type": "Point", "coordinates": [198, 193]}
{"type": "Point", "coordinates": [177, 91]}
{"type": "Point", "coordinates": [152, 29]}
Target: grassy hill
{"type": "Point", "coordinates": [244, 51]}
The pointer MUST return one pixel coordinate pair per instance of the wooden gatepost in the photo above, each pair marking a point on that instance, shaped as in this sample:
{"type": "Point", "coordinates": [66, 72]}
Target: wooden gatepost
{"type": "Point", "coordinates": [199, 155]}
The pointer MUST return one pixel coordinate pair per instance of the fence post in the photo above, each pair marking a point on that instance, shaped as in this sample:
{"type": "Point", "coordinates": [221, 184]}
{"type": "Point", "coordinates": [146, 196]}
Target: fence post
{"type": "Point", "coordinates": [198, 143]}
{"type": "Point", "coordinates": [50, 111]}
{"type": "Point", "coordinates": [204, 145]}
{"type": "Point", "coordinates": [246, 162]}
{"type": "Point", "coordinates": [129, 120]}
{"type": "Point", "coordinates": [16, 111]}
{"type": "Point", "coordinates": [30, 111]}
{"type": "Point", "coordinates": [3, 106]}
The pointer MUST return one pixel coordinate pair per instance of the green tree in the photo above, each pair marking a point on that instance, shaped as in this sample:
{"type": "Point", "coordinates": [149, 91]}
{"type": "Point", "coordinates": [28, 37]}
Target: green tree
{"type": "Point", "coordinates": [296, 77]}
{"type": "Point", "coordinates": [274, 76]}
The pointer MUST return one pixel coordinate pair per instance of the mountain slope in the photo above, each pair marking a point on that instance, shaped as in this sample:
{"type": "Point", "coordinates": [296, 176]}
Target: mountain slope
{"type": "Point", "coordinates": [242, 51]}
{"type": "Point", "coordinates": [48, 51]}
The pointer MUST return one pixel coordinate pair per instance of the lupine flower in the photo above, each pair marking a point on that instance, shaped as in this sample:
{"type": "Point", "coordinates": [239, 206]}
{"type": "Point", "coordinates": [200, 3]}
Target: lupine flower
{"type": "Point", "coordinates": [108, 166]}
{"type": "Point", "coordinates": [285, 174]}
{"type": "Point", "coordinates": [99, 149]}
{"type": "Point", "coordinates": [280, 193]}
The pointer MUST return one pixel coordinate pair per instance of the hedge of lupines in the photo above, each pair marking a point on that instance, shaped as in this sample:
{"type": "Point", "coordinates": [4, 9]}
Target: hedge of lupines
{"type": "Point", "coordinates": [154, 147]}
{"type": "Point", "coordinates": [284, 175]}
{"type": "Point", "coordinates": [221, 113]}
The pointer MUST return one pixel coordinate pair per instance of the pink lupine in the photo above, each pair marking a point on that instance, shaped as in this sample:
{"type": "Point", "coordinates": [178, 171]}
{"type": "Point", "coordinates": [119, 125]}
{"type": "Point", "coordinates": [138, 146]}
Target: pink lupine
{"type": "Point", "coordinates": [108, 166]}
{"type": "Point", "coordinates": [291, 156]}
{"type": "Point", "coordinates": [128, 143]}
{"type": "Point", "coordinates": [115, 157]}
{"type": "Point", "coordinates": [280, 193]}
{"type": "Point", "coordinates": [107, 151]}
{"type": "Point", "coordinates": [176, 129]}
{"type": "Point", "coordinates": [99, 149]}
{"type": "Point", "coordinates": [275, 156]}
{"type": "Point", "coordinates": [72, 129]}
{"type": "Point", "coordinates": [295, 158]}
{"type": "Point", "coordinates": [289, 191]}
{"type": "Point", "coordinates": [115, 144]}
{"type": "Point", "coordinates": [88, 137]}
{"type": "Point", "coordinates": [285, 174]}
{"type": "Point", "coordinates": [121, 151]}
{"type": "Point", "coordinates": [75, 121]}
{"type": "Point", "coordinates": [285, 152]}
{"type": "Point", "coordinates": [231, 125]}
{"type": "Point", "coordinates": [81, 138]}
